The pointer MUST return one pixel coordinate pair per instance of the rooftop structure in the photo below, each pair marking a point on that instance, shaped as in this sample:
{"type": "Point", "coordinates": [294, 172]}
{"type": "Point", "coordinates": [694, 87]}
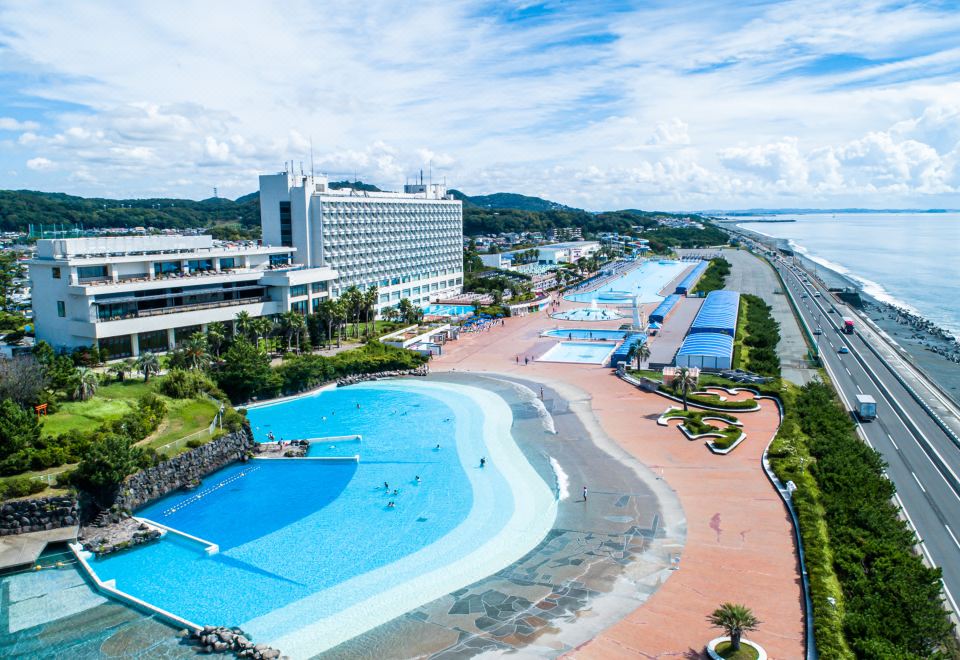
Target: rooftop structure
{"type": "Point", "coordinates": [687, 283]}
{"type": "Point", "coordinates": [408, 245]}
{"type": "Point", "coordinates": [147, 293]}
{"type": "Point", "coordinates": [706, 350]}
{"type": "Point", "coordinates": [663, 310]}
{"type": "Point", "coordinates": [718, 314]}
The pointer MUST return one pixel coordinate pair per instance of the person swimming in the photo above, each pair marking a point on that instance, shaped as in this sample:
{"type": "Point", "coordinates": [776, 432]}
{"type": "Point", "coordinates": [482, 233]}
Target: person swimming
{"type": "Point", "coordinates": [417, 478]}
{"type": "Point", "coordinates": [390, 504]}
{"type": "Point", "coordinates": [386, 486]}
{"type": "Point", "coordinates": [396, 491]}
{"type": "Point", "coordinates": [483, 462]}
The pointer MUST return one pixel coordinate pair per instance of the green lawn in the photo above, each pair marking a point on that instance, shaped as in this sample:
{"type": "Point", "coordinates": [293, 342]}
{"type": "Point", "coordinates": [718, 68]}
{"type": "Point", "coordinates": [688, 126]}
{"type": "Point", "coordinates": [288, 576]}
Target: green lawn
{"type": "Point", "coordinates": [725, 650]}
{"type": "Point", "coordinates": [184, 416]}
{"type": "Point", "coordinates": [111, 402]}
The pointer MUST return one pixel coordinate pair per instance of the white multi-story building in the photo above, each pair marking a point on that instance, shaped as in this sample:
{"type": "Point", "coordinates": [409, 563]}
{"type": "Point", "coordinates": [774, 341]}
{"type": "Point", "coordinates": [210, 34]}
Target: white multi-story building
{"type": "Point", "coordinates": [148, 293]}
{"type": "Point", "coordinates": [408, 245]}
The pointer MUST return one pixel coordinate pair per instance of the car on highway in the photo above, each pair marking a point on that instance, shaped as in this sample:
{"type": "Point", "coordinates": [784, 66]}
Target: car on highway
{"type": "Point", "coordinates": [803, 295]}
{"type": "Point", "coordinates": [843, 350]}
{"type": "Point", "coordinates": [818, 331]}
{"type": "Point", "coordinates": [816, 294]}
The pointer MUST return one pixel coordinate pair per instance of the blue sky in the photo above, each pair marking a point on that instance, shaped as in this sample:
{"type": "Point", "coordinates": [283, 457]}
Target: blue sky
{"type": "Point", "coordinates": [600, 105]}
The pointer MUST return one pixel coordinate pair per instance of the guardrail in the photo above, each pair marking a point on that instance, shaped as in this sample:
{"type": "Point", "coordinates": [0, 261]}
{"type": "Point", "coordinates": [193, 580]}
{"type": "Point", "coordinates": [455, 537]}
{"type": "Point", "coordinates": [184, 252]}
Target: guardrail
{"type": "Point", "coordinates": [207, 432]}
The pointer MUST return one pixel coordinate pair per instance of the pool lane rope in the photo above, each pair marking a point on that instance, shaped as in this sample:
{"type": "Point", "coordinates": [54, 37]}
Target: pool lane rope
{"type": "Point", "coordinates": [208, 491]}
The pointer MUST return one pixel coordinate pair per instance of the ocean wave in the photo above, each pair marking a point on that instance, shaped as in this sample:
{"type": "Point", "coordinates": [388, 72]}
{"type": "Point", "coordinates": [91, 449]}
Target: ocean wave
{"type": "Point", "coordinates": [873, 289]}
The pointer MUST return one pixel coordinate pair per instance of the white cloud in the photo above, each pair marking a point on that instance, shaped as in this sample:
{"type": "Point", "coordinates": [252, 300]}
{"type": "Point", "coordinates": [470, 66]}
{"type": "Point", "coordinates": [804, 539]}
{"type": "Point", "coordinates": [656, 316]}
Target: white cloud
{"type": "Point", "coordinates": [677, 106]}
{"type": "Point", "coordinates": [11, 124]}
{"type": "Point", "coordinates": [40, 164]}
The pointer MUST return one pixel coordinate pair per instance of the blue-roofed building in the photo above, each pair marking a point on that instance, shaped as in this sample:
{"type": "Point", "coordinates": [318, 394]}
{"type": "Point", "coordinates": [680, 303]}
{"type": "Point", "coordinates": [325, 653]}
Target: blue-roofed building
{"type": "Point", "coordinates": [718, 313]}
{"type": "Point", "coordinates": [690, 281]}
{"type": "Point", "coordinates": [663, 309]}
{"type": "Point", "coordinates": [620, 355]}
{"type": "Point", "coordinates": [706, 350]}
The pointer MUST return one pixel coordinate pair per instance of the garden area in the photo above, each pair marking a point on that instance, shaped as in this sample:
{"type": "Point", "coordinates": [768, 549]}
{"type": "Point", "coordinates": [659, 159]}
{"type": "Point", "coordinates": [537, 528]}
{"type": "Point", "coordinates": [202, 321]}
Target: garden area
{"type": "Point", "coordinates": [698, 423]}
{"type": "Point", "coordinates": [755, 344]}
{"type": "Point", "coordinates": [714, 278]}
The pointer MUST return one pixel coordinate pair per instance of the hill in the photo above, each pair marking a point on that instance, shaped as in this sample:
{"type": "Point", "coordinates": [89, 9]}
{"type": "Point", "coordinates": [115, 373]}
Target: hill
{"type": "Point", "coordinates": [515, 201]}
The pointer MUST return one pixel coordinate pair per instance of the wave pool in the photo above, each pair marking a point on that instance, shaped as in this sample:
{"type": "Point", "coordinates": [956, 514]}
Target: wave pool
{"type": "Point", "coordinates": [310, 554]}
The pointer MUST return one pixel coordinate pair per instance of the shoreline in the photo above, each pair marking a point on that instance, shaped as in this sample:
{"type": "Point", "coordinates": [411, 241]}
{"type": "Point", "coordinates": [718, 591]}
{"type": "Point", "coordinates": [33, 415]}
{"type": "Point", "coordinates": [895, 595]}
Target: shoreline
{"type": "Point", "coordinates": [935, 350]}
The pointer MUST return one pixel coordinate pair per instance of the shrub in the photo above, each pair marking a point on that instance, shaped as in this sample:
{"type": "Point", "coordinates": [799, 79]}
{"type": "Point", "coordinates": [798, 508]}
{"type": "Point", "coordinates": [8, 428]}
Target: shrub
{"type": "Point", "coordinates": [20, 487]}
{"type": "Point", "coordinates": [182, 384]}
{"type": "Point", "coordinates": [193, 443]}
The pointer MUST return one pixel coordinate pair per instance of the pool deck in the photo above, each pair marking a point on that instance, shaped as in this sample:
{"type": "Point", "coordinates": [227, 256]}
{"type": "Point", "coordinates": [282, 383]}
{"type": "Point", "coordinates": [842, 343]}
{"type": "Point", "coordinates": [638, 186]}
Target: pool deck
{"type": "Point", "coordinates": [25, 549]}
{"type": "Point", "coordinates": [740, 545]}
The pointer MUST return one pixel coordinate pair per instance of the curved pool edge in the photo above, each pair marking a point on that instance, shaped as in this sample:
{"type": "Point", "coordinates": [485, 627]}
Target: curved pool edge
{"type": "Point", "coordinates": [533, 517]}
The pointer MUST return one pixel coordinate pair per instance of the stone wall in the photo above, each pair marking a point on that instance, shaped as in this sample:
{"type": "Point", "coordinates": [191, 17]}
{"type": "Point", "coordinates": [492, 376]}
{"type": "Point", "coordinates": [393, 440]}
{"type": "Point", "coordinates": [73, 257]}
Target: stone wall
{"type": "Point", "coordinates": [37, 515]}
{"type": "Point", "coordinates": [184, 470]}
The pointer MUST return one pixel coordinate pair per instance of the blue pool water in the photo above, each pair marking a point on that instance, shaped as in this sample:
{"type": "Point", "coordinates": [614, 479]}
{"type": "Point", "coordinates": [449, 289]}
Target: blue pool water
{"type": "Point", "coordinates": [582, 333]}
{"type": "Point", "coordinates": [588, 314]}
{"type": "Point", "coordinates": [448, 310]}
{"type": "Point", "coordinates": [581, 352]}
{"type": "Point", "coordinates": [302, 542]}
{"type": "Point", "coordinates": [646, 281]}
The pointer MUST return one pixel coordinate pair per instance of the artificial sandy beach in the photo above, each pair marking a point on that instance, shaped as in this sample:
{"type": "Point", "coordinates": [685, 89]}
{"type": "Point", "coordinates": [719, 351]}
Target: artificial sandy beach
{"type": "Point", "coordinates": [739, 542]}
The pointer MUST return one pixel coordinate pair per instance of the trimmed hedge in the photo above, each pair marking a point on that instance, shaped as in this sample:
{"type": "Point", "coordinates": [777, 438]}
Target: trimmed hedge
{"type": "Point", "coordinates": [715, 277]}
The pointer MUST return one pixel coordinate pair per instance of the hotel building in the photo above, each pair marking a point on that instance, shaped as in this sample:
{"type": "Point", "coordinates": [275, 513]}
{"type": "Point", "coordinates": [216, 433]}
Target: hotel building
{"type": "Point", "coordinates": [408, 245]}
{"type": "Point", "coordinates": [148, 293]}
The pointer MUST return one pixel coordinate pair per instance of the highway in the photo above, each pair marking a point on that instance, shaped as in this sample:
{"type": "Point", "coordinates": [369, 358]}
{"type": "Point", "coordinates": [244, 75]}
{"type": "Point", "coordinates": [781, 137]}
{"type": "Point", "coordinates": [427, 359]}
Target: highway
{"type": "Point", "coordinates": [923, 460]}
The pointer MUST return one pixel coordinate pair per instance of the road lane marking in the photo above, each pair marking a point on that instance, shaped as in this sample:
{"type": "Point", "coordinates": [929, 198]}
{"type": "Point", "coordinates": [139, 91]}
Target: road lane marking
{"type": "Point", "coordinates": [848, 372]}
{"type": "Point", "coordinates": [859, 390]}
{"type": "Point", "coordinates": [950, 532]}
{"type": "Point", "coordinates": [893, 443]}
{"type": "Point", "coordinates": [918, 482]}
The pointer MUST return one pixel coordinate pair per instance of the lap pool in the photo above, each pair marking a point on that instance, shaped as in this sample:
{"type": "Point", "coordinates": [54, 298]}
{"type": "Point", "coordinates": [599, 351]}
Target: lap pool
{"type": "Point", "coordinates": [310, 554]}
{"type": "Point", "coordinates": [645, 281]}
{"type": "Point", "coordinates": [583, 333]}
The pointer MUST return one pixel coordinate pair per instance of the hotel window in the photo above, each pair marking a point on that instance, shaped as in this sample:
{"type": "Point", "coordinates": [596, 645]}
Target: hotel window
{"type": "Point", "coordinates": [384, 297]}
{"type": "Point", "coordinates": [286, 225]}
{"type": "Point", "coordinates": [298, 290]}
{"type": "Point", "coordinates": [226, 263]}
{"type": "Point", "coordinates": [151, 342]}
{"type": "Point", "coordinates": [61, 309]}
{"type": "Point", "coordinates": [115, 347]}
{"type": "Point", "coordinates": [279, 260]}
{"type": "Point", "coordinates": [300, 307]}
{"type": "Point", "coordinates": [166, 267]}
{"type": "Point", "coordinates": [90, 273]}
{"type": "Point", "coordinates": [56, 273]}
{"type": "Point", "coordinates": [406, 293]}
{"type": "Point", "coordinates": [316, 304]}
{"type": "Point", "coordinates": [317, 287]}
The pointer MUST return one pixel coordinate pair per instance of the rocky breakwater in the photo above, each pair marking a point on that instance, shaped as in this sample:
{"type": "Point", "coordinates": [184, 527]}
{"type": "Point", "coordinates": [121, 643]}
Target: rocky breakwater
{"type": "Point", "coordinates": [287, 449]}
{"type": "Point", "coordinates": [37, 515]}
{"type": "Point", "coordinates": [212, 639]}
{"type": "Point", "coordinates": [184, 471]}
{"type": "Point", "coordinates": [422, 370]}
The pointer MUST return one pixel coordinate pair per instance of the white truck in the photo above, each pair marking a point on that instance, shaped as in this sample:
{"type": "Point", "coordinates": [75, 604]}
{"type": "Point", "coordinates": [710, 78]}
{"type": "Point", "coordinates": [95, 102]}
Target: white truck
{"type": "Point", "coordinates": [866, 407]}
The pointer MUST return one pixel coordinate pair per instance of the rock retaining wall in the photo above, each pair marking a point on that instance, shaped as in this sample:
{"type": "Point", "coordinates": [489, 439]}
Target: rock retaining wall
{"type": "Point", "coordinates": [422, 370]}
{"type": "Point", "coordinates": [184, 470]}
{"type": "Point", "coordinates": [37, 515]}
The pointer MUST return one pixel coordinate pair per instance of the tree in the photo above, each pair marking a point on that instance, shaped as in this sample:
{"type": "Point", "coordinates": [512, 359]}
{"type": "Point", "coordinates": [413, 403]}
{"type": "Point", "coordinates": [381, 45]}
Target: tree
{"type": "Point", "coordinates": [352, 300]}
{"type": "Point", "coordinates": [106, 463]}
{"type": "Point", "coordinates": [86, 384]}
{"type": "Point", "coordinates": [735, 620]}
{"type": "Point", "coordinates": [118, 369]}
{"type": "Point", "coordinates": [242, 323]}
{"type": "Point", "coordinates": [642, 352]}
{"type": "Point", "coordinates": [148, 364]}
{"type": "Point", "coordinates": [261, 327]}
{"type": "Point", "coordinates": [216, 337]}
{"type": "Point", "coordinates": [684, 381]}
{"type": "Point", "coordinates": [23, 379]}
{"type": "Point", "coordinates": [11, 270]}
{"type": "Point", "coordinates": [244, 371]}
{"type": "Point", "coordinates": [370, 298]}
{"type": "Point", "coordinates": [195, 351]}
{"type": "Point", "coordinates": [293, 326]}
{"type": "Point", "coordinates": [19, 432]}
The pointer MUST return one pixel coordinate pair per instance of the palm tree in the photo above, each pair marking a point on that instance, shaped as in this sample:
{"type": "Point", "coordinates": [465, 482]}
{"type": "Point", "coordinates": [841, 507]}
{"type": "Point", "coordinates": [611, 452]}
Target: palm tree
{"type": "Point", "coordinates": [243, 323]}
{"type": "Point", "coordinates": [293, 325]}
{"type": "Point", "coordinates": [195, 350]}
{"type": "Point", "coordinates": [148, 364]}
{"type": "Point", "coordinates": [118, 369]}
{"type": "Point", "coordinates": [216, 336]}
{"type": "Point", "coordinates": [86, 384]}
{"type": "Point", "coordinates": [642, 353]}
{"type": "Point", "coordinates": [352, 299]}
{"type": "Point", "coordinates": [735, 619]}
{"type": "Point", "coordinates": [261, 327]}
{"type": "Point", "coordinates": [684, 380]}
{"type": "Point", "coordinates": [370, 298]}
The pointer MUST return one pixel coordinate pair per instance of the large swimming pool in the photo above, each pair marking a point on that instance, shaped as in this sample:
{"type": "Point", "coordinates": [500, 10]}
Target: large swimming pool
{"type": "Point", "coordinates": [584, 333]}
{"type": "Point", "coordinates": [448, 310]}
{"type": "Point", "coordinates": [310, 553]}
{"type": "Point", "coordinates": [645, 281]}
{"type": "Point", "coordinates": [579, 352]}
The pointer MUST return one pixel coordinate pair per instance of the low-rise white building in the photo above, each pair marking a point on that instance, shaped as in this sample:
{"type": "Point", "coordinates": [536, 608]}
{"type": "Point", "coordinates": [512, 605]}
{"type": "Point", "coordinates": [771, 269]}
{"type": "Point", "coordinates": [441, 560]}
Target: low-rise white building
{"type": "Point", "coordinates": [567, 252]}
{"type": "Point", "coordinates": [148, 293]}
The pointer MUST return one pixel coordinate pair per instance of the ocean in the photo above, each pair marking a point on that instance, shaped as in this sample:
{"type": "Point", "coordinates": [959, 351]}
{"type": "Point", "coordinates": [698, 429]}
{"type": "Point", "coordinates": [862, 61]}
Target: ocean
{"type": "Point", "coordinates": [907, 259]}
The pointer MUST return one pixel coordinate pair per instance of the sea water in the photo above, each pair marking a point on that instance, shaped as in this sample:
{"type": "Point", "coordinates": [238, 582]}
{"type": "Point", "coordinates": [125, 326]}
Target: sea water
{"type": "Point", "coordinates": [907, 259]}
